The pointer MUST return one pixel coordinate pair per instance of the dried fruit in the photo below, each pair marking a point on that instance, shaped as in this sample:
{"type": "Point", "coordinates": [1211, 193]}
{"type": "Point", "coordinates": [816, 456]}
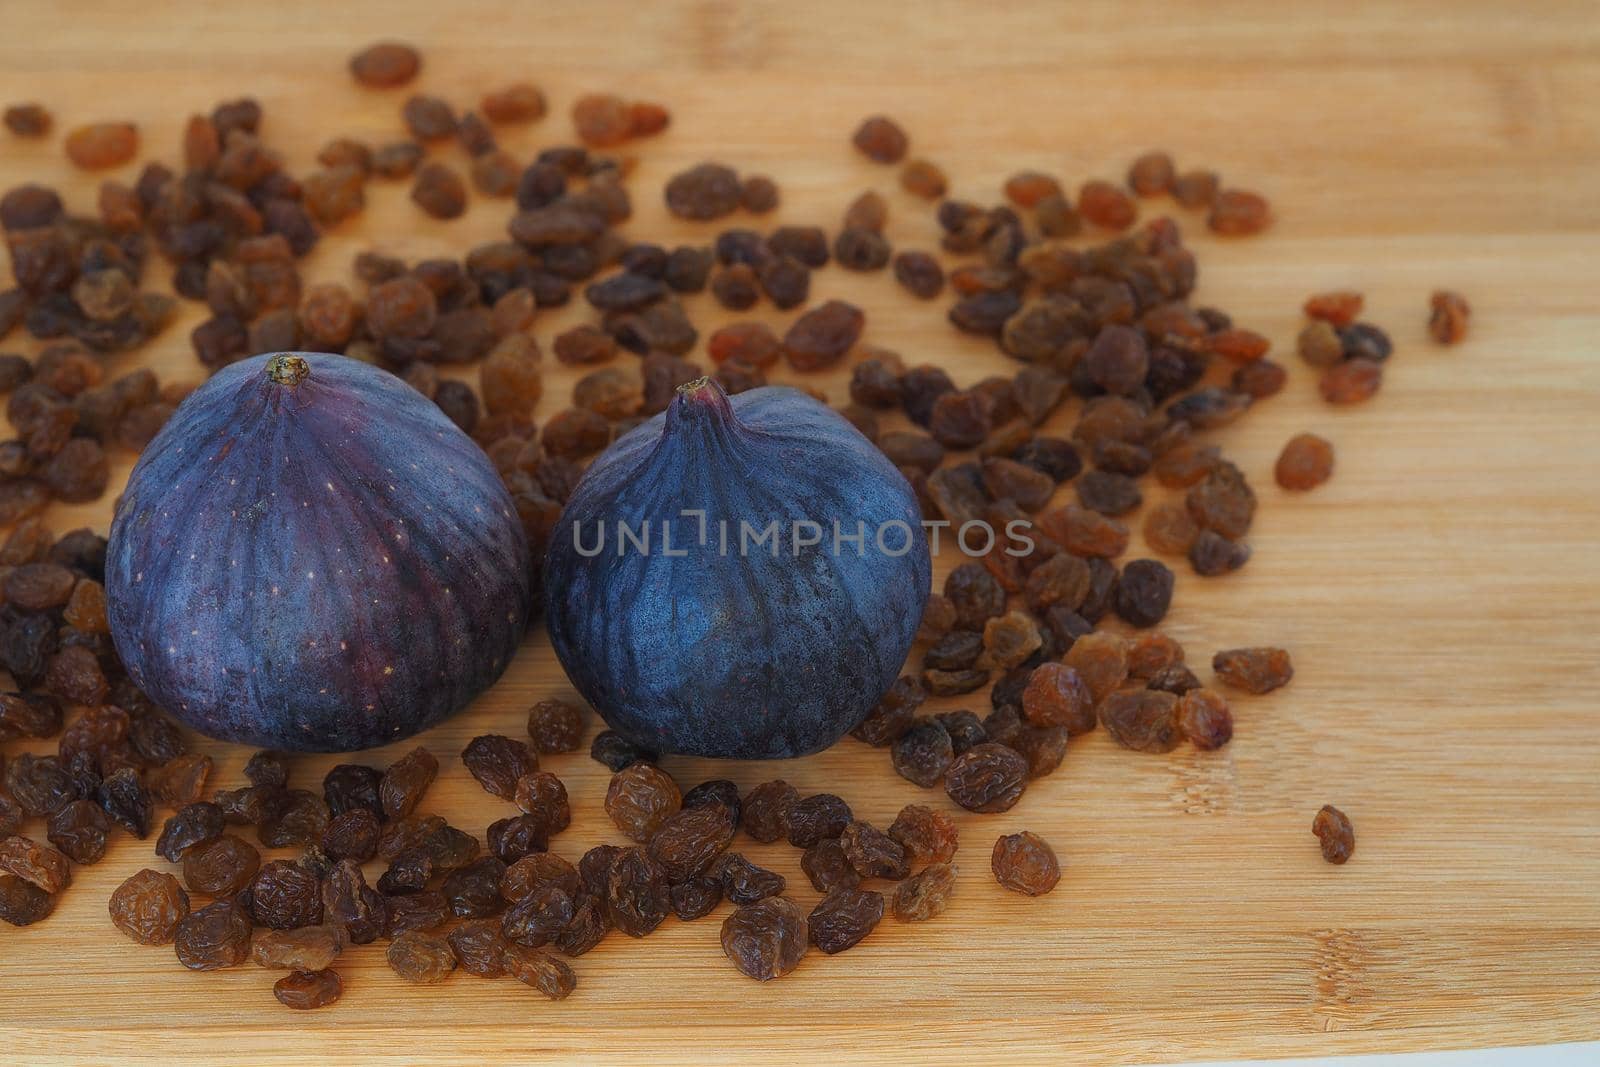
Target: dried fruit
{"type": "Point", "coordinates": [827, 867]}
{"type": "Point", "coordinates": [1255, 670]}
{"type": "Point", "coordinates": [1144, 592]}
{"type": "Point", "coordinates": [881, 140]}
{"type": "Point", "coordinates": [688, 841]}
{"type": "Point", "coordinates": [1101, 660]}
{"type": "Point", "coordinates": [704, 192]}
{"type": "Point", "coordinates": [1447, 321]}
{"type": "Point", "coordinates": [45, 867]}
{"type": "Point", "coordinates": [744, 882]}
{"type": "Point", "coordinates": [79, 831]}
{"type": "Point", "coordinates": [1351, 382]}
{"type": "Point", "coordinates": [1205, 718]}
{"type": "Point", "coordinates": [767, 939]}
{"type": "Point", "coordinates": [988, 777]}
{"type": "Point", "coordinates": [405, 782]}
{"type": "Point", "coordinates": [421, 958]}
{"type": "Point", "coordinates": [1334, 833]}
{"type": "Point", "coordinates": [102, 145]}
{"type": "Point", "coordinates": [307, 948]}
{"type": "Point", "coordinates": [1236, 212]}
{"type": "Point", "coordinates": [1305, 462]}
{"type": "Point", "coordinates": [22, 903]}
{"type": "Point", "coordinates": [843, 918]}
{"type": "Point", "coordinates": [637, 893]}
{"type": "Point", "coordinates": [216, 936]}
{"type": "Point", "coordinates": [925, 894]}
{"type": "Point", "coordinates": [221, 867]}
{"type": "Point", "coordinates": [346, 408]}
{"type": "Point", "coordinates": [1142, 719]}
{"type": "Point", "coordinates": [385, 65]}
{"type": "Point", "coordinates": [1025, 863]}
{"type": "Point", "coordinates": [544, 972]}
{"type": "Point", "coordinates": [765, 810]}
{"type": "Point", "coordinates": [148, 907]}
{"type": "Point", "coordinates": [1057, 695]}
{"type": "Point", "coordinates": [923, 753]}
{"type": "Point", "coordinates": [640, 798]}
{"type": "Point", "coordinates": [1339, 307]}
{"type": "Point", "coordinates": [308, 990]}
{"type": "Point", "coordinates": [928, 836]}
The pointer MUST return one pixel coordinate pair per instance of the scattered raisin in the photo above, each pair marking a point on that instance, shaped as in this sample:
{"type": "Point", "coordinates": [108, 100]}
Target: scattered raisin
{"type": "Point", "coordinates": [148, 907]}
{"type": "Point", "coordinates": [926, 894]}
{"type": "Point", "coordinates": [1335, 834]}
{"type": "Point", "coordinates": [766, 939]}
{"type": "Point", "coordinates": [1254, 670]}
{"type": "Point", "coordinates": [1447, 321]}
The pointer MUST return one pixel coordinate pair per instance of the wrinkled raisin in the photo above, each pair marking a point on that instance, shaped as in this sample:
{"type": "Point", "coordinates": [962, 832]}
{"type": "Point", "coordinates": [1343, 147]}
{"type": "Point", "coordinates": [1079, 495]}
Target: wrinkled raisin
{"type": "Point", "coordinates": [1334, 833]}
{"type": "Point", "coordinates": [766, 939]}
{"type": "Point", "coordinates": [926, 894]}
{"type": "Point", "coordinates": [1141, 719]}
{"type": "Point", "coordinates": [1025, 863]}
{"type": "Point", "coordinates": [989, 777]}
{"type": "Point", "coordinates": [1254, 670]}
{"type": "Point", "coordinates": [148, 907]}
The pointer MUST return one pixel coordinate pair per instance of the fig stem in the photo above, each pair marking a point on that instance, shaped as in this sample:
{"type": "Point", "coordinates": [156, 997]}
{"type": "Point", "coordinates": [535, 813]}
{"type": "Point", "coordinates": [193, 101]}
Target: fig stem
{"type": "Point", "coordinates": [288, 369]}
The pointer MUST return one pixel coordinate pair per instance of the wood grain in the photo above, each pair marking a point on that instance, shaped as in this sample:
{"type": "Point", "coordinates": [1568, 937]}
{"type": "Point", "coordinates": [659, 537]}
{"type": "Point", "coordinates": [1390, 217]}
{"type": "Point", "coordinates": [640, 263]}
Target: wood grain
{"type": "Point", "coordinates": [1441, 595]}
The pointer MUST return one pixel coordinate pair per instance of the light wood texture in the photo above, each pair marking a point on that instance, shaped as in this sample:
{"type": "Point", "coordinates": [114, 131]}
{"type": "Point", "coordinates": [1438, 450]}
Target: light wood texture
{"type": "Point", "coordinates": [1441, 594]}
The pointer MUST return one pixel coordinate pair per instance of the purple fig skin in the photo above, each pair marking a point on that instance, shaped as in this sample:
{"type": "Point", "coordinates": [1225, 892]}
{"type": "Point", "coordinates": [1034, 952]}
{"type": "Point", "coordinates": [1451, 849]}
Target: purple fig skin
{"type": "Point", "coordinates": [722, 655]}
{"type": "Point", "coordinates": [311, 556]}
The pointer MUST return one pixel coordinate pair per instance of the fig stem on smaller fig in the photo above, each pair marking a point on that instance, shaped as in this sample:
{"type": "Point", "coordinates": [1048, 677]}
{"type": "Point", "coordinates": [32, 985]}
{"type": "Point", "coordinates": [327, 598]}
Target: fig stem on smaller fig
{"type": "Point", "coordinates": [288, 369]}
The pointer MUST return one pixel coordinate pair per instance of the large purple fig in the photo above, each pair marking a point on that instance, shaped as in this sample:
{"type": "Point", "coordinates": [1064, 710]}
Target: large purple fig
{"type": "Point", "coordinates": [311, 556]}
{"type": "Point", "coordinates": [706, 637]}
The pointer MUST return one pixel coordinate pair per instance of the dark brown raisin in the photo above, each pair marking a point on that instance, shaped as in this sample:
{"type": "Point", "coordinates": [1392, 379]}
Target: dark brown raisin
{"type": "Point", "coordinates": [822, 336]}
{"type": "Point", "coordinates": [637, 893]}
{"type": "Point", "coordinates": [1205, 719]}
{"type": "Point", "coordinates": [1305, 462]}
{"type": "Point", "coordinates": [285, 896]}
{"type": "Point", "coordinates": [704, 192]}
{"type": "Point", "coordinates": [1236, 212]}
{"type": "Point", "coordinates": [827, 867]}
{"type": "Point", "coordinates": [765, 810]}
{"type": "Point", "coordinates": [617, 752]}
{"type": "Point", "coordinates": [497, 762]}
{"type": "Point", "coordinates": [988, 777]}
{"type": "Point", "coordinates": [843, 918]}
{"type": "Point", "coordinates": [873, 853]}
{"type": "Point", "coordinates": [405, 782]}
{"type": "Point", "coordinates": [214, 937]}
{"type": "Point", "coordinates": [79, 831]}
{"type": "Point", "coordinates": [814, 818]}
{"type": "Point", "coordinates": [766, 939]}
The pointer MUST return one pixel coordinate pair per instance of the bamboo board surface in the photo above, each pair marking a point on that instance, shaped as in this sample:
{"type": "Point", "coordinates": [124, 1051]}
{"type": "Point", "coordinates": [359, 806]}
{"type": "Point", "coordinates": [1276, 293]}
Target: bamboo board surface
{"type": "Point", "coordinates": [1441, 594]}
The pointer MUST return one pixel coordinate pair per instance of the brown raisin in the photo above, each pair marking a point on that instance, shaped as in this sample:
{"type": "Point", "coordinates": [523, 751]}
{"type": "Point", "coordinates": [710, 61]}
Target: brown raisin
{"type": "Point", "coordinates": [765, 810]}
{"type": "Point", "coordinates": [45, 867]}
{"type": "Point", "coordinates": [216, 936]}
{"type": "Point", "coordinates": [820, 337]}
{"type": "Point", "coordinates": [919, 274]}
{"type": "Point", "coordinates": [385, 65]}
{"type": "Point", "coordinates": [148, 907]}
{"type": "Point", "coordinates": [1448, 317]}
{"type": "Point", "coordinates": [923, 753]}
{"type": "Point", "coordinates": [843, 918]}
{"type": "Point", "coordinates": [1236, 212]}
{"type": "Point", "coordinates": [926, 894]}
{"type": "Point", "coordinates": [497, 762]}
{"type": "Point", "coordinates": [1254, 670]}
{"type": "Point", "coordinates": [79, 831]}
{"type": "Point", "coordinates": [1057, 695]}
{"type": "Point", "coordinates": [881, 140]}
{"type": "Point", "coordinates": [102, 145]}
{"type": "Point", "coordinates": [766, 939]}
{"type": "Point", "coordinates": [1351, 382]}
{"type": "Point", "coordinates": [1106, 206]}
{"type": "Point", "coordinates": [1142, 719]}
{"type": "Point", "coordinates": [1152, 173]}
{"type": "Point", "coordinates": [405, 782]}
{"type": "Point", "coordinates": [308, 990]}
{"type": "Point", "coordinates": [819, 816]}
{"type": "Point", "coordinates": [640, 798]}
{"type": "Point", "coordinates": [1334, 833]}
{"type": "Point", "coordinates": [826, 866]}
{"type": "Point", "coordinates": [704, 192]}
{"type": "Point", "coordinates": [921, 177]}
{"type": "Point", "coordinates": [689, 840]}
{"type": "Point", "coordinates": [1305, 462]}
{"type": "Point", "coordinates": [1338, 307]}
{"type": "Point", "coordinates": [989, 777]}
{"type": "Point", "coordinates": [440, 191]}
{"type": "Point", "coordinates": [1205, 719]}
{"type": "Point", "coordinates": [1025, 863]}
{"type": "Point", "coordinates": [928, 836]}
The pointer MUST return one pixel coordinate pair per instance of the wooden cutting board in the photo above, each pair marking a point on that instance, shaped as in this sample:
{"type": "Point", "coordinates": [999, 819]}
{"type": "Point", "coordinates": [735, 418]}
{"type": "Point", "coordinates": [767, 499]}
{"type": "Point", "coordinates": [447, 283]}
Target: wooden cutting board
{"type": "Point", "coordinates": [1440, 595]}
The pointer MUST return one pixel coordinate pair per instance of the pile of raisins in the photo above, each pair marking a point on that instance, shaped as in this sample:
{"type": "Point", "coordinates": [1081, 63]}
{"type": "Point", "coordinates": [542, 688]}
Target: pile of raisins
{"type": "Point", "coordinates": [1107, 327]}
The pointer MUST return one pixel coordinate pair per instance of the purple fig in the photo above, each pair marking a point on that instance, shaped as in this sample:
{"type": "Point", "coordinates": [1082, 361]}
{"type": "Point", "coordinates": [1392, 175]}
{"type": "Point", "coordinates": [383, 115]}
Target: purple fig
{"type": "Point", "coordinates": [311, 556]}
